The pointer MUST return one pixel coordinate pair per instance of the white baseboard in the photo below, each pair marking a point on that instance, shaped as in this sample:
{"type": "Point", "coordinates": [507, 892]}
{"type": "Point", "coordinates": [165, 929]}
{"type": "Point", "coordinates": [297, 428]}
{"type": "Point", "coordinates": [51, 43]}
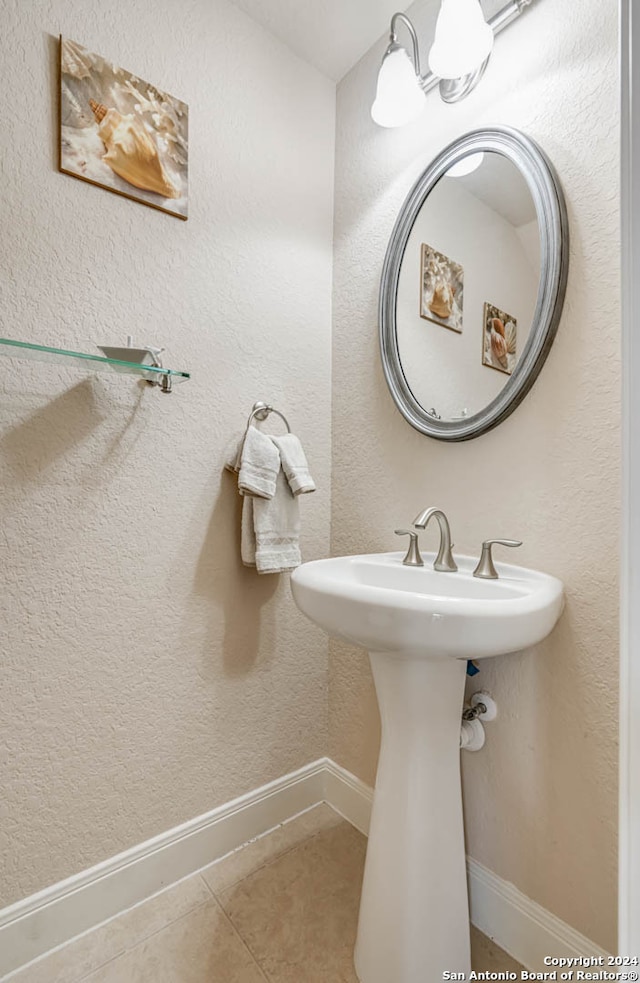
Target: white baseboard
{"type": "Point", "coordinates": [519, 925]}
{"type": "Point", "coordinates": [53, 916]}
{"type": "Point", "coordinates": [348, 795]}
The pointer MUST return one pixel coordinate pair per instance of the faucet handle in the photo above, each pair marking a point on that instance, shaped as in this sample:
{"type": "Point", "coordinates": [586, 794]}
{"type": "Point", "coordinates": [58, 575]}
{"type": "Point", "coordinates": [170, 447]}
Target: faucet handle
{"type": "Point", "coordinates": [413, 558]}
{"type": "Point", "coordinates": [485, 568]}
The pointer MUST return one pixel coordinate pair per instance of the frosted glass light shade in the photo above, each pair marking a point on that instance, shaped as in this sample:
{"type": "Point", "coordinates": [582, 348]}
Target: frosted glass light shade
{"type": "Point", "coordinates": [399, 98]}
{"type": "Point", "coordinates": [463, 39]}
{"type": "Point", "coordinates": [467, 165]}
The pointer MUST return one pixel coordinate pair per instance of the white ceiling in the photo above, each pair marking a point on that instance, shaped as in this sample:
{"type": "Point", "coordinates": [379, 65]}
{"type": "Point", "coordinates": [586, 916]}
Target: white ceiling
{"type": "Point", "coordinates": [501, 186]}
{"type": "Point", "coordinates": [330, 34]}
{"type": "Point", "coordinates": [334, 34]}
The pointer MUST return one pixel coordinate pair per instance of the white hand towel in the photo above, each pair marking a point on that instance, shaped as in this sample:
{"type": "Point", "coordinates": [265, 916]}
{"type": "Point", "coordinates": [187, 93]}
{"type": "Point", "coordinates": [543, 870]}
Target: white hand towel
{"type": "Point", "coordinates": [233, 454]}
{"type": "Point", "coordinates": [248, 533]}
{"type": "Point", "coordinates": [259, 465]}
{"type": "Point", "coordinates": [294, 464]}
{"type": "Point", "coordinates": [271, 530]}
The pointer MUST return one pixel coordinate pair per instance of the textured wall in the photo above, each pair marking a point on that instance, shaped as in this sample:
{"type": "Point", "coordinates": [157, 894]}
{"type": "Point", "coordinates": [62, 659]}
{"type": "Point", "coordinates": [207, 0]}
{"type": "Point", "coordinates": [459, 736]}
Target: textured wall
{"type": "Point", "coordinates": [146, 676]}
{"type": "Point", "coordinates": [541, 797]}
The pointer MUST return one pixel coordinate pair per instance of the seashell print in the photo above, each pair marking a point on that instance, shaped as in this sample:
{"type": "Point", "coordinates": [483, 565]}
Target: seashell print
{"type": "Point", "coordinates": [499, 347]}
{"type": "Point", "coordinates": [441, 303]}
{"type": "Point", "coordinates": [72, 112]}
{"type": "Point", "coordinates": [122, 133]}
{"type": "Point", "coordinates": [441, 288]}
{"type": "Point", "coordinates": [74, 60]}
{"type": "Point", "coordinates": [131, 151]}
{"type": "Point", "coordinates": [499, 339]}
{"type": "Point", "coordinates": [510, 337]}
{"type": "Point", "coordinates": [99, 111]}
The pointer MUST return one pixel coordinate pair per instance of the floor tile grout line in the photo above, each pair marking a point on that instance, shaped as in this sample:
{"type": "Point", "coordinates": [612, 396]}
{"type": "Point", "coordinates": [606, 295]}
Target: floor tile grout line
{"type": "Point", "coordinates": [213, 900]}
{"type": "Point", "coordinates": [69, 978]}
{"type": "Point", "coordinates": [57, 949]}
{"type": "Point", "coordinates": [145, 938]}
{"type": "Point", "coordinates": [172, 921]}
{"type": "Point", "coordinates": [202, 878]}
{"type": "Point", "coordinates": [264, 836]}
{"type": "Point", "coordinates": [141, 941]}
{"type": "Point", "coordinates": [17, 973]}
{"type": "Point", "coordinates": [270, 863]}
{"type": "Point", "coordinates": [194, 874]}
{"type": "Point", "coordinates": [269, 832]}
{"type": "Point", "coordinates": [236, 927]}
{"type": "Point", "coordinates": [272, 860]}
{"type": "Point", "coordinates": [244, 942]}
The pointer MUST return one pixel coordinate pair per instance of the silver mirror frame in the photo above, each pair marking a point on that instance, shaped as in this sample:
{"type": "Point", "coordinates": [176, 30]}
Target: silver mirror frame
{"type": "Point", "coordinates": [553, 224]}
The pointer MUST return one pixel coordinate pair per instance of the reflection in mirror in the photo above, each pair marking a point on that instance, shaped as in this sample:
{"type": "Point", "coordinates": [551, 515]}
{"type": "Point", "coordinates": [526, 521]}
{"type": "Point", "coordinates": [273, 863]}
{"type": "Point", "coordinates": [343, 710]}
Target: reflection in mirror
{"type": "Point", "coordinates": [468, 286]}
{"type": "Point", "coordinates": [473, 284]}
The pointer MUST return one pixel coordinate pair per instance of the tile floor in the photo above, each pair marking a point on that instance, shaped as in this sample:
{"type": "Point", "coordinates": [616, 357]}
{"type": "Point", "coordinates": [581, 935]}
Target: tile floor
{"type": "Point", "coordinates": [283, 909]}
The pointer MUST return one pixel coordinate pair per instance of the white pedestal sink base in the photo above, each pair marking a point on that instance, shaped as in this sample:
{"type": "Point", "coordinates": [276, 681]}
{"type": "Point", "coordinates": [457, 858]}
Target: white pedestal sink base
{"type": "Point", "coordinates": [414, 921]}
{"type": "Point", "coordinates": [414, 913]}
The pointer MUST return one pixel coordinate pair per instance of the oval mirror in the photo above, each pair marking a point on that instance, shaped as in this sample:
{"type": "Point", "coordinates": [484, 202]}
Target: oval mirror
{"type": "Point", "coordinates": [473, 284]}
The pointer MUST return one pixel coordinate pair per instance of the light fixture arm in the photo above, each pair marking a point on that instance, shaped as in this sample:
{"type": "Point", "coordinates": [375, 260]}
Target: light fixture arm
{"type": "Point", "coordinates": [414, 38]}
{"type": "Point", "coordinates": [505, 16]}
{"type": "Point", "coordinates": [460, 59]}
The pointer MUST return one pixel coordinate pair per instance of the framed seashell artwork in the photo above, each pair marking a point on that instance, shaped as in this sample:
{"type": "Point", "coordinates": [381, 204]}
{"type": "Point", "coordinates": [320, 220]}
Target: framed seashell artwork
{"type": "Point", "coordinates": [499, 339]}
{"type": "Point", "coordinates": [122, 133]}
{"type": "Point", "coordinates": [441, 289]}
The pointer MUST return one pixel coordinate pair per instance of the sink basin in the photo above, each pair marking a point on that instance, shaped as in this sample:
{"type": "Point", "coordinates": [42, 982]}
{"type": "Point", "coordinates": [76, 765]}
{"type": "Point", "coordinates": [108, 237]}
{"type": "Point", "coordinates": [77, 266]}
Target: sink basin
{"type": "Point", "coordinates": [376, 602]}
{"type": "Point", "coordinates": [420, 626]}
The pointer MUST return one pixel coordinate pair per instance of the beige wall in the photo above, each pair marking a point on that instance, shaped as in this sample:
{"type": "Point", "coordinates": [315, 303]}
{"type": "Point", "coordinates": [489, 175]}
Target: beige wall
{"type": "Point", "coordinates": [541, 797]}
{"type": "Point", "coordinates": [146, 676]}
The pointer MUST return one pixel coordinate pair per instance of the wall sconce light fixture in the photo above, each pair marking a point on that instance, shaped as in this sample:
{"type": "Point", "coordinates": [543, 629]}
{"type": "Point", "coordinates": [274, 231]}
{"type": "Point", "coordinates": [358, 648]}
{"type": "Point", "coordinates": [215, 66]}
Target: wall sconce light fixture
{"type": "Point", "coordinates": [457, 59]}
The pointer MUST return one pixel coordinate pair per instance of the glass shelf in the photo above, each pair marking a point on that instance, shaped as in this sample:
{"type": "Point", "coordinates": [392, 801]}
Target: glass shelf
{"type": "Point", "coordinates": [96, 363]}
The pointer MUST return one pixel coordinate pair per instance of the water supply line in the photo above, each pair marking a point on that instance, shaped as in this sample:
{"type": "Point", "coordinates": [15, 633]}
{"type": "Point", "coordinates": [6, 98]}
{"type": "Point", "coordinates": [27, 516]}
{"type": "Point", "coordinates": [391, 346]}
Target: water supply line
{"type": "Point", "coordinates": [481, 709]}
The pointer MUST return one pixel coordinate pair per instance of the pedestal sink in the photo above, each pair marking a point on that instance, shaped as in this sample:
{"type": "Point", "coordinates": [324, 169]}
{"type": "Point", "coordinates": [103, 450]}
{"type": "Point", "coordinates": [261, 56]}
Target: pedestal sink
{"type": "Point", "coordinates": [420, 627]}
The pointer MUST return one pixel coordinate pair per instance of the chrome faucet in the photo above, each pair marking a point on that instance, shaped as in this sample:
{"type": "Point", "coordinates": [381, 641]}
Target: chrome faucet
{"type": "Point", "coordinates": [444, 560]}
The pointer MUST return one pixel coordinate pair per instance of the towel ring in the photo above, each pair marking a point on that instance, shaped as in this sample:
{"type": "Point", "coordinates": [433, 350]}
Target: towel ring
{"type": "Point", "coordinates": [261, 411]}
